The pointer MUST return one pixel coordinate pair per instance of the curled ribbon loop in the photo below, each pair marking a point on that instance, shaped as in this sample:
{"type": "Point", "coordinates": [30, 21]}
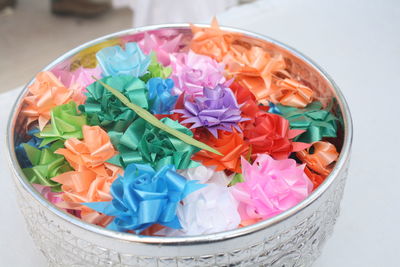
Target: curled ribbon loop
{"type": "Point", "coordinates": [144, 143]}
{"type": "Point", "coordinates": [144, 197]}
{"type": "Point", "coordinates": [319, 157]}
{"type": "Point", "coordinates": [66, 123]}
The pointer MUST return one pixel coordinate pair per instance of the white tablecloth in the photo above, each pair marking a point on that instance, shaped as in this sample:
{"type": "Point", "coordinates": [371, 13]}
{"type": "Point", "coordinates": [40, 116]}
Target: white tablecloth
{"type": "Point", "coordinates": [358, 43]}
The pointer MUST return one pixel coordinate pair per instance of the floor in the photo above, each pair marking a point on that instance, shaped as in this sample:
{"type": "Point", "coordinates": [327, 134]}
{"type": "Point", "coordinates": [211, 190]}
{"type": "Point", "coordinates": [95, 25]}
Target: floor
{"type": "Point", "coordinates": [31, 37]}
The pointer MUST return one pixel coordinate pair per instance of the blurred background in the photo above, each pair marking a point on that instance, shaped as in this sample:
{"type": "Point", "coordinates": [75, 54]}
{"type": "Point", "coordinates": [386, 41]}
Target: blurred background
{"type": "Point", "coordinates": [38, 31]}
{"type": "Point", "coordinates": [31, 33]}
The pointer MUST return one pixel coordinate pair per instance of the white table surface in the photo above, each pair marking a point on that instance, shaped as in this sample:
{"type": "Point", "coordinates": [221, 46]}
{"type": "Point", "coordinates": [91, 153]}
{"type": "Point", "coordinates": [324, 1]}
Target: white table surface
{"type": "Point", "coordinates": [358, 43]}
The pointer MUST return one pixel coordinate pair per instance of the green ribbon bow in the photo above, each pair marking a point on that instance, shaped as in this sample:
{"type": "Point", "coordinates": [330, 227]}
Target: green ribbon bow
{"type": "Point", "coordinates": [106, 110]}
{"type": "Point", "coordinates": [156, 69]}
{"type": "Point", "coordinates": [46, 165]}
{"type": "Point", "coordinates": [317, 122]}
{"type": "Point", "coordinates": [66, 123]}
{"type": "Point", "coordinates": [144, 143]}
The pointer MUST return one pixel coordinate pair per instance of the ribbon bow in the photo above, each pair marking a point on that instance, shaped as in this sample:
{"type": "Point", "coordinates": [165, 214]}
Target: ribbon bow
{"type": "Point", "coordinates": [316, 122]}
{"type": "Point", "coordinates": [215, 202]}
{"type": "Point", "coordinates": [216, 110]}
{"type": "Point", "coordinates": [230, 144]}
{"type": "Point", "coordinates": [45, 93]}
{"type": "Point", "coordinates": [66, 123]}
{"type": "Point", "coordinates": [254, 68]}
{"type": "Point", "coordinates": [319, 157]}
{"type": "Point", "coordinates": [160, 95]}
{"type": "Point", "coordinates": [292, 93]}
{"type": "Point", "coordinates": [270, 134]}
{"type": "Point", "coordinates": [144, 197]}
{"type": "Point", "coordinates": [193, 72]}
{"type": "Point", "coordinates": [92, 177]}
{"type": "Point", "coordinates": [106, 110]}
{"type": "Point", "coordinates": [270, 187]}
{"type": "Point", "coordinates": [46, 165]}
{"type": "Point", "coordinates": [144, 143]}
{"type": "Point", "coordinates": [212, 41]}
{"type": "Point", "coordinates": [91, 152]}
{"type": "Point", "coordinates": [87, 186]}
{"type": "Point", "coordinates": [116, 61]}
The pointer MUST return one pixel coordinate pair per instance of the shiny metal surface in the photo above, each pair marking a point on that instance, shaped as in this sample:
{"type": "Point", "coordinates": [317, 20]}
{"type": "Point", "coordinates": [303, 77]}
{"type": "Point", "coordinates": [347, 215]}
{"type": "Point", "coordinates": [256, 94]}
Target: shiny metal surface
{"type": "Point", "coordinates": [293, 238]}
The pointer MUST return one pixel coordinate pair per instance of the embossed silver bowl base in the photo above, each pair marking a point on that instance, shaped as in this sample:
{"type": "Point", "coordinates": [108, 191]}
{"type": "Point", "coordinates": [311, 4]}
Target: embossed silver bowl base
{"type": "Point", "coordinates": [293, 238]}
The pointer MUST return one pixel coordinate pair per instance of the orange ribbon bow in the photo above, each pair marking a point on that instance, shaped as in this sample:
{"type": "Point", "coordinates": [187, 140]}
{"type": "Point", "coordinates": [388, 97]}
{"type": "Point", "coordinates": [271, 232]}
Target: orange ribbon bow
{"type": "Point", "coordinates": [319, 157]}
{"type": "Point", "coordinates": [254, 68]}
{"type": "Point", "coordinates": [251, 65]}
{"type": "Point", "coordinates": [87, 186]}
{"type": "Point", "coordinates": [93, 176]}
{"type": "Point", "coordinates": [292, 93]}
{"type": "Point", "coordinates": [319, 160]}
{"type": "Point", "coordinates": [230, 144]}
{"type": "Point", "coordinates": [45, 93]}
{"type": "Point", "coordinates": [212, 41]}
{"type": "Point", "coordinates": [91, 153]}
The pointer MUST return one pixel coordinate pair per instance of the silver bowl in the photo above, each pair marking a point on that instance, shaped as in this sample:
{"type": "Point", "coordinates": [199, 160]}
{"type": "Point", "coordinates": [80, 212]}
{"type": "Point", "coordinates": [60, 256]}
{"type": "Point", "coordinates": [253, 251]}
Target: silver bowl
{"type": "Point", "coordinates": [293, 238]}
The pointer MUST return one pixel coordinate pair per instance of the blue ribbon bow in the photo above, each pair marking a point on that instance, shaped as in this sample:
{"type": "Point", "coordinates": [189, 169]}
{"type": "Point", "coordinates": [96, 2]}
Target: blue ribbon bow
{"type": "Point", "coordinates": [143, 197]}
{"type": "Point", "coordinates": [116, 61]}
{"type": "Point", "coordinates": [160, 95]}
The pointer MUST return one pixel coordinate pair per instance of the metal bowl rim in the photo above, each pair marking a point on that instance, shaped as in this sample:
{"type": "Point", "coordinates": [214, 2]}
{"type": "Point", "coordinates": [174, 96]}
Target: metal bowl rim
{"type": "Point", "coordinates": [341, 163]}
